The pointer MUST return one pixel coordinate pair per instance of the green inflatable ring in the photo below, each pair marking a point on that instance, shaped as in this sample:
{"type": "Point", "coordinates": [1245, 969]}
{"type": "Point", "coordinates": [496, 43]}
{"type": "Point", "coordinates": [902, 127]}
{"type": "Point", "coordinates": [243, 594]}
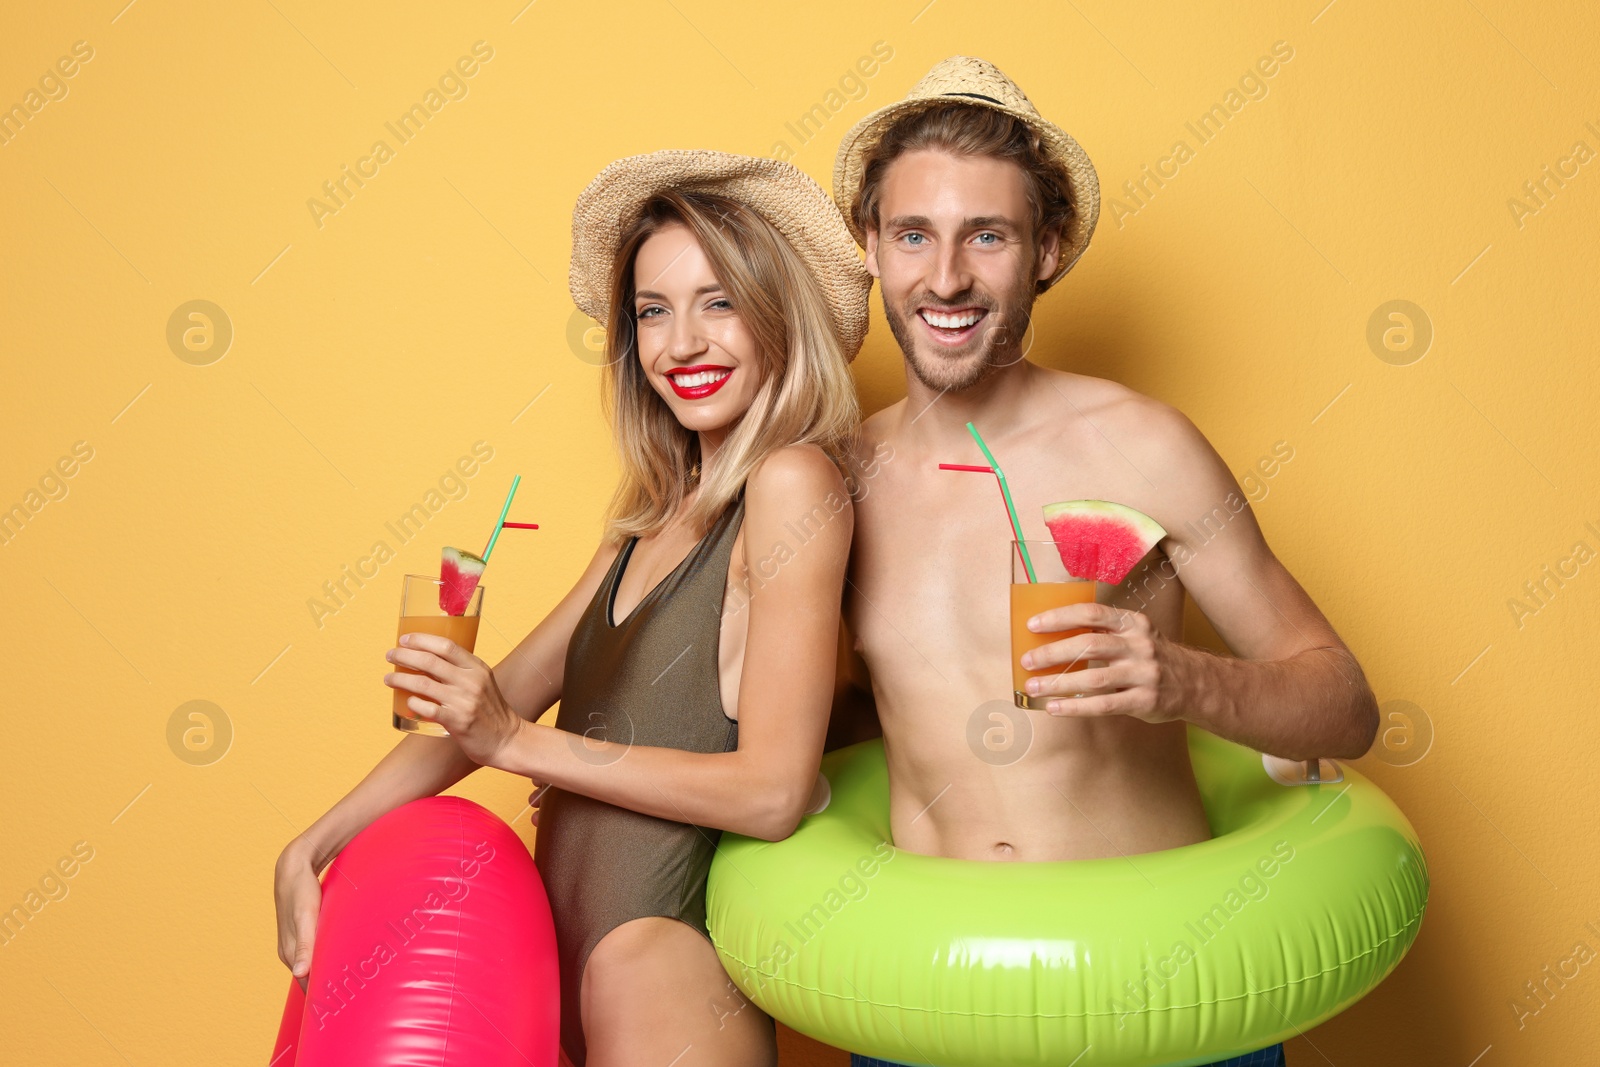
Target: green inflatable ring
{"type": "Point", "coordinates": [1302, 902]}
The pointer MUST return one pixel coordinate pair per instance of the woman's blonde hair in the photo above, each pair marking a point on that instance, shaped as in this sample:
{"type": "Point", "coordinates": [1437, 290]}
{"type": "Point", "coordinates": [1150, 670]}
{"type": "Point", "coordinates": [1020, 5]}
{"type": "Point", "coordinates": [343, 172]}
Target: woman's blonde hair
{"type": "Point", "coordinates": [805, 396]}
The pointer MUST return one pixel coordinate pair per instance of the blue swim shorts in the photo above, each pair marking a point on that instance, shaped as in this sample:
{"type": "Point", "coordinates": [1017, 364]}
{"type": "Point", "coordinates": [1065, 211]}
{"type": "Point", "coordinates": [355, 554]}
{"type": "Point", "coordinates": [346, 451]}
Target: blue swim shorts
{"type": "Point", "coordinates": [1266, 1057]}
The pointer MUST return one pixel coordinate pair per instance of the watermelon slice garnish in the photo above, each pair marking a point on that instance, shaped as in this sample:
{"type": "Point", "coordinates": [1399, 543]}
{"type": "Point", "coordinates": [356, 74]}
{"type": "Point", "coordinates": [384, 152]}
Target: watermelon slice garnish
{"type": "Point", "coordinates": [458, 577]}
{"type": "Point", "coordinates": [1100, 539]}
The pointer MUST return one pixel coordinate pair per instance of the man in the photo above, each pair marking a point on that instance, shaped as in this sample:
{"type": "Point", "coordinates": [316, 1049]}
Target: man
{"type": "Point", "coordinates": [969, 205]}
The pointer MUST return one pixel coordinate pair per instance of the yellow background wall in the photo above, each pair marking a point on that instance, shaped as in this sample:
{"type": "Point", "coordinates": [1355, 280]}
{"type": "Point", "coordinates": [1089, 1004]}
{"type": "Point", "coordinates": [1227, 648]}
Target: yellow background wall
{"type": "Point", "coordinates": [372, 346]}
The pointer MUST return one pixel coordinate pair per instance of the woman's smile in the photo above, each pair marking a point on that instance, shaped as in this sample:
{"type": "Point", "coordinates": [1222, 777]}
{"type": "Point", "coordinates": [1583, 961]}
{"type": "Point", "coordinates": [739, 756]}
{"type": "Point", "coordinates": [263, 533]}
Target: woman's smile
{"type": "Point", "coordinates": [699, 381]}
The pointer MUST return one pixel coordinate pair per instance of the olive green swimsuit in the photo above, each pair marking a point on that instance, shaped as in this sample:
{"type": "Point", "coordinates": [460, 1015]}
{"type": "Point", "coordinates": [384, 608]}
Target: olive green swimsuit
{"type": "Point", "coordinates": [651, 679]}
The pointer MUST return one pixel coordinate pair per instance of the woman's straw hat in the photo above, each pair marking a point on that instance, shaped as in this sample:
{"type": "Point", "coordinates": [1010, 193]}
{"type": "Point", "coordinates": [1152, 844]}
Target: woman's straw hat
{"type": "Point", "coordinates": [796, 206]}
{"type": "Point", "coordinates": [965, 80]}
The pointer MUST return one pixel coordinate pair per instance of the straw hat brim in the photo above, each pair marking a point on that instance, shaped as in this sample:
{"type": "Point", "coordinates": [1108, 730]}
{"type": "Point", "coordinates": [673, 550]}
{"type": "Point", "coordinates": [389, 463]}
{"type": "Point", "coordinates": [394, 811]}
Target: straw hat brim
{"type": "Point", "coordinates": [797, 207]}
{"type": "Point", "coordinates": [1084, 182]}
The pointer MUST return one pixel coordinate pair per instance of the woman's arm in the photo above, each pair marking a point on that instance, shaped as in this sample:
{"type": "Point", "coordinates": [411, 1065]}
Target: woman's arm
{"type": "Point", "coordinates": [785, 689]}
{"type": "Point", "coordinates": [418, 767]}
{"type": "Point", "coordinates": [421, 766]}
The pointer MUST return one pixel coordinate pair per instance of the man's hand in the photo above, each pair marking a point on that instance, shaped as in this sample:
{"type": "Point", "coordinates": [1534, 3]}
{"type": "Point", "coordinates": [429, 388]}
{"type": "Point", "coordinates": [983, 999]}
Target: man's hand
{"type": "Point", "coordinates": [457, 690]}
{"type": "Point", "coordinates": [1146, 675]}
{"type": "Point", "coordinates": [534, 799]}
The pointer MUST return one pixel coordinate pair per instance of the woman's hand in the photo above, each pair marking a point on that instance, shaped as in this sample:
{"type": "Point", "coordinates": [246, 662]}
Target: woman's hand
{"type": "Point", "coordinates": [298, 896]}
{"type": "Point", "coordinates": [457, 690]}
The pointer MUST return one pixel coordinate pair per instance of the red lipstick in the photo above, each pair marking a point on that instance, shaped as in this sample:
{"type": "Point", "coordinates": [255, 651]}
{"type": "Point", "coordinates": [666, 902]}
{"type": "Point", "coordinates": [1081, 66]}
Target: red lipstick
{"type": "Point", "coordinates": [708, 378]}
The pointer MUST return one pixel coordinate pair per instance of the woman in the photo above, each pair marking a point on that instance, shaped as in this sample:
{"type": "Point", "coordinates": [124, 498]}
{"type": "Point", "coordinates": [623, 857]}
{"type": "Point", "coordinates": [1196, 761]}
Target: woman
{"type": "Point", "coordinates": [694, 659]}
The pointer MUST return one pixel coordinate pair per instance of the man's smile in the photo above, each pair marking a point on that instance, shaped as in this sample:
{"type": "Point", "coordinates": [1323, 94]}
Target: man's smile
{"type": "Point", "coordinates": [952, 326]}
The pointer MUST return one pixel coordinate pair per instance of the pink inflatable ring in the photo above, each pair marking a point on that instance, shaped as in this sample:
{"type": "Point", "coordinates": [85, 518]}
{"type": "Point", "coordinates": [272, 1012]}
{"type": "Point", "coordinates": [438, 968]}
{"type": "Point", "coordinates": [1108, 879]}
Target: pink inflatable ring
{"type": "Point", "coordinates": [434, 946]}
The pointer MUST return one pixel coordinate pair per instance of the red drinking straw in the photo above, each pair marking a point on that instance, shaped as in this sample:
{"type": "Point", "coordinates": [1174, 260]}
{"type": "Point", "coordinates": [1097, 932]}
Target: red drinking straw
{"type": "Point", "coordinates": [1005, 496]}
{"type": "Point", "coordinates": [983, 470]}
{"type": "Point", "coordinates": [521, 525]}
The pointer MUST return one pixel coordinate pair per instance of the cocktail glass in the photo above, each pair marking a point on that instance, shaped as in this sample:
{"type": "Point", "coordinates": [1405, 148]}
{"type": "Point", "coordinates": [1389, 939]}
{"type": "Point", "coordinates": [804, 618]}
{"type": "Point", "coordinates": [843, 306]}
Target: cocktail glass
{"type": "Point", "coordinates": [1054, 588]}
{"type": "Point", "coordinates": [420, 613]}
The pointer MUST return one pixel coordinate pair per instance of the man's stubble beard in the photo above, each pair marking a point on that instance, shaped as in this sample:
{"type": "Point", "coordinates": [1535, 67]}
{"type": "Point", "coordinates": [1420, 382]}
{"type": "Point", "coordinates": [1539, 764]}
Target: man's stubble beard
{"type": "Point", "coordinates": [999, 346]}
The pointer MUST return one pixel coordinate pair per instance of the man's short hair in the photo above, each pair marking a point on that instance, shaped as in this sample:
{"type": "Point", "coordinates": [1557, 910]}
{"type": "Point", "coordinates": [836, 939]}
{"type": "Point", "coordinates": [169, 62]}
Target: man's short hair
{"type": "Point", "coordinates": [971, 130]}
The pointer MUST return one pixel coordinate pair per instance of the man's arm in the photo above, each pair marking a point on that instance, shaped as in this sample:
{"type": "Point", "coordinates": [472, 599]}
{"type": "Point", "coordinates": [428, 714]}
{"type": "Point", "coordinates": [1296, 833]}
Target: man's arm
{"type": "Point", "coordinates": [855, 712]}
{"type": "Point", "coordinates": [1294, 690]}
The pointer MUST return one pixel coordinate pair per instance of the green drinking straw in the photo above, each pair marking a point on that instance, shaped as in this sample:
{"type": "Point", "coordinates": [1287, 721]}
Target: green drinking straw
{"type": "Point", "coordinates": [497, 527]}
{"type": "Point", "coordinates": [1011, 509]}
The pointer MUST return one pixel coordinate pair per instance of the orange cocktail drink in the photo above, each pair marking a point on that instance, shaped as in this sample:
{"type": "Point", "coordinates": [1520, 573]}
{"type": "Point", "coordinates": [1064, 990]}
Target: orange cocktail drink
{"type": "Point", "coordinates": [420, 613]}
{"type": "Point", "coordinates": [1055, 588]}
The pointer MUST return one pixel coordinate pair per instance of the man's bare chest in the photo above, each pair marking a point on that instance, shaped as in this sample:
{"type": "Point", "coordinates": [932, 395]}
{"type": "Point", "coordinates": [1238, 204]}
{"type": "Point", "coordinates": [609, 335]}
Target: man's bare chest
{"type": "Point", "coordinates": [932, 558]}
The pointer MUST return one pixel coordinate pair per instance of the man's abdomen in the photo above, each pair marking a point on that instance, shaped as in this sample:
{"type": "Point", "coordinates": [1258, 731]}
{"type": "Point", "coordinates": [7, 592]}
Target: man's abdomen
{"type": "Point", "coordinates": [1009, 784]}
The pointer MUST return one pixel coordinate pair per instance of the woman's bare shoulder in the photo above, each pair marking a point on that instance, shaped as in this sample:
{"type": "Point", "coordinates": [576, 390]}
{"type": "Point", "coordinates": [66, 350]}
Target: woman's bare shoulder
{"type": "Point", "coordinates": [801, 471]}
{"type": "Point", "coordinates": [798, 492]}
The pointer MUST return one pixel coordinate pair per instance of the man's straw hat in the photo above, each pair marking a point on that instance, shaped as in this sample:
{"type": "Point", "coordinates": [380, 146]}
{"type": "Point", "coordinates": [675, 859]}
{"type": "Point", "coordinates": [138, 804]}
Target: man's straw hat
{"type": "Point", "coordinates": [796, 206]}
{"type": "Point", "coordinates": [965, 80]}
